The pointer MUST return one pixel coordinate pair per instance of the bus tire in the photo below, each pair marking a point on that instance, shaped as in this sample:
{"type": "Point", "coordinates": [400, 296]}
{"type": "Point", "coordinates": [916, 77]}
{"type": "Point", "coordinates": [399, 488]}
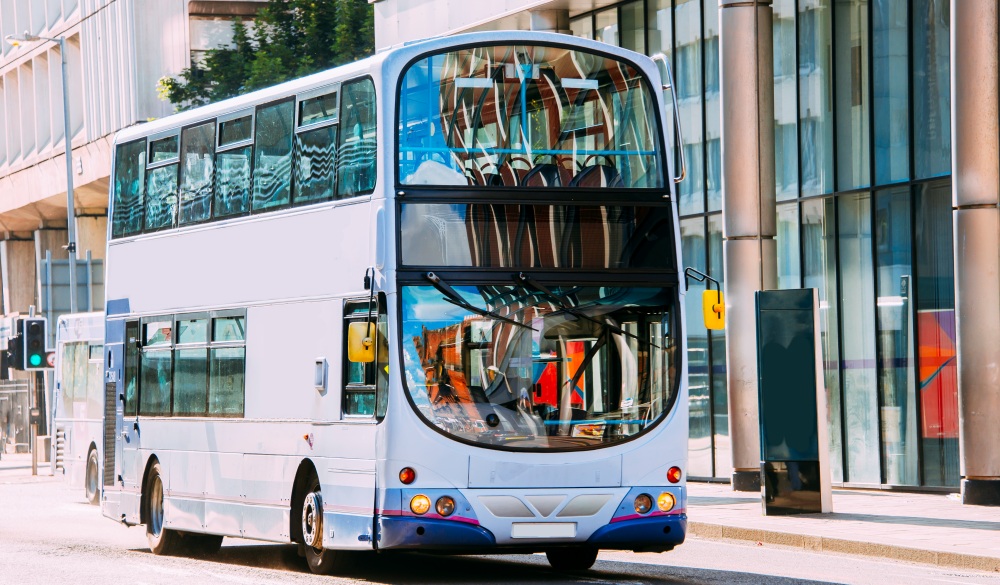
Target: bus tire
{"type": "Point", "coordinates": [162, 541]}
{"type": "Point", "coordinates": [91, 480]}
{"type": "Point", "coordinates": [321, 561]}
{"type": "Point", "coordinates": [572, 559]}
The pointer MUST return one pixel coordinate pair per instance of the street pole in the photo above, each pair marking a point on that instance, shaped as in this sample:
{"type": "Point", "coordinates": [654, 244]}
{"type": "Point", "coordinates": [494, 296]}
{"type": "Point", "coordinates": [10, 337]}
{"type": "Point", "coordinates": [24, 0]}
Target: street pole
{"type": "Point", "coordinates": [70, 205]}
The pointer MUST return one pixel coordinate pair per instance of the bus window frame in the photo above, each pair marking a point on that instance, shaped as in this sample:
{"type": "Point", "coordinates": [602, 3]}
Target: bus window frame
{"type": "Point", "coordinates": [180, 174]}
{"type": "Point", "coordinates": [378, 310]}
{"type": "Point", "coordinates": [504, 192]}
{"type": "Point", "coordinates": [174, 345]}
{"type": "Point", "coordinates": [220, 148]}
{"type": "Point", "coordinates": [252, 209]}
{"type": "Point", "coordinates": [312, 94]}
{"type": "Point", "coordinates": [375, 166]}
{"type": "Point", "coordinates": [333, 88]}
{"type": "Point", "coordinates": [220, 120]}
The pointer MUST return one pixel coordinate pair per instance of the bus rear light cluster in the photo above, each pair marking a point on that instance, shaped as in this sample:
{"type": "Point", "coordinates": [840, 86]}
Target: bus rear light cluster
{"type": "Point", "coordinates": [420, 504]}
{"type": "Point", "coordinates": [643, 503]}
{"type": "Point", "coordinates": [445, 506]}
{"type": "Point", "coordinates": [666, 502]}
{"type": "Point", "coordinates": [674, 474]}
{"type": "Point", "coordinates": [407, 475]}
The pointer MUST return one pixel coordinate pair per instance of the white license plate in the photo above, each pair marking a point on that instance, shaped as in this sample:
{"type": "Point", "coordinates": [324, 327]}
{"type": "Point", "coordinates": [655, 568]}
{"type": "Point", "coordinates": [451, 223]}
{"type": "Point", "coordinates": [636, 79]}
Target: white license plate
{"type": "Point", "coordinates": [543, 530]}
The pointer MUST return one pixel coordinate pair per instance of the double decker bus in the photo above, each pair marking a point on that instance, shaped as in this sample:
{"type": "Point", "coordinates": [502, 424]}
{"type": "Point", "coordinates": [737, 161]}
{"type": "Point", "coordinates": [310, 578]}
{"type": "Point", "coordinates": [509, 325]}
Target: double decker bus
{"type": "Point", "coordinates": [425, 301]}
{"type": "Point", "coordinates": [79, 400]}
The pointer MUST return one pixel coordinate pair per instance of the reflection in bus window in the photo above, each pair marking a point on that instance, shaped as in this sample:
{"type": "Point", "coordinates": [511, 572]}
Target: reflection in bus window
{"type": "Point", "coordinates": [272, 167]}
{"type": "Point", "coordinates": [521, 116]}
{"type": "Point", "coordinates": [161, 197]}
{"type": "Point", "coordinates": [568, 367]}
{"type": "Point", "coordinates": [356, 152]}
{"type": "Point", "coordinates": [197, 168]}
{"type": "Point", "coordinates": [129, 181]}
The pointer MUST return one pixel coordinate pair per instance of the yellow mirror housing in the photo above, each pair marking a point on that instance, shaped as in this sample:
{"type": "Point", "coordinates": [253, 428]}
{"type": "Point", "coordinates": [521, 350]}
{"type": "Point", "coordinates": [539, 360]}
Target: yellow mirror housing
{"type": "Point", "coordinates": [713, 308]}
{"type": "Point", "coordinates": [361, 342]}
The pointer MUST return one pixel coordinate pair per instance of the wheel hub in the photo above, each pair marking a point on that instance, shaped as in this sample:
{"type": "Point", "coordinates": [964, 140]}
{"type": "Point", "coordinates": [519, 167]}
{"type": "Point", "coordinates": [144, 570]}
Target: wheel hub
{"type": "Point", "coordinates": [312, 520]}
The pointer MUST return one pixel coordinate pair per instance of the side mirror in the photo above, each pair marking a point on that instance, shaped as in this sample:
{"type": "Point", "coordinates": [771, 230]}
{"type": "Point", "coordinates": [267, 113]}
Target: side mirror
{"type": "Point", "coordinates": [713, 309]}
{"type": "Point", "coordinates": [361, 342]}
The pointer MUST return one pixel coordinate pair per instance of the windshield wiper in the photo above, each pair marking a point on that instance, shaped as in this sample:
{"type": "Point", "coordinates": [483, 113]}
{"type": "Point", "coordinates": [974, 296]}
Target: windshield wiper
{"type": "Point", "coordinates": [452, 296]}
{"type": "Point", "coordinates": [524, 279]}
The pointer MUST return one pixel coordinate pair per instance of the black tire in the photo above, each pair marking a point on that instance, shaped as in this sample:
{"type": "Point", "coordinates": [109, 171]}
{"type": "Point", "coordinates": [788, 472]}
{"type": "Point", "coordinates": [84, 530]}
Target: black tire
{"type": "Point", "coordinates": [321, 561]}
{"type": "Point", "coordinates": [201, 545]}
{"type": "Point", "coordinates": [572, 559]}
{"type": "Point", "coordinates": [162, 541]}
{"type": "Point", "coordinates": [91, 480]}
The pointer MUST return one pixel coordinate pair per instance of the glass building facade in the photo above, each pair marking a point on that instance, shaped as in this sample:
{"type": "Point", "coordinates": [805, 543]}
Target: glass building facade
{"type": "Point", "coordinates": [862, 171]}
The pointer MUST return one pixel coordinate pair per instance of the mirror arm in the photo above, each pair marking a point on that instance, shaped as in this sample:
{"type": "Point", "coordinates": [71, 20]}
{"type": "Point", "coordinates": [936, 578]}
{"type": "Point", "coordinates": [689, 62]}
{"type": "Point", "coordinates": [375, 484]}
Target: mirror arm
{"type": "Point", "coordinates": [699, 276]}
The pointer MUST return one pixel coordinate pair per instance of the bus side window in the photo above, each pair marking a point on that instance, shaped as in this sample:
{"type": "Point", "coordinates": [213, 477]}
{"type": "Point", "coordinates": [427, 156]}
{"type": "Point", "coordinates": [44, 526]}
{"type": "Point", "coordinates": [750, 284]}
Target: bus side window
{"type": "Point", "coordinates": [357, 141]}
{"type": "Point", "coordinates": [361, 378]}
{"type": "Point", "coordinates": [131, 373]}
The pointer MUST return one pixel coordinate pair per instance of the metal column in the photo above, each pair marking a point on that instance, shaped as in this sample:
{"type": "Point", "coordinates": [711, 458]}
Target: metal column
{"type": "Point", "coordinates": [975, 196]}
{"type": "Point", "coordinates": [748, 211]}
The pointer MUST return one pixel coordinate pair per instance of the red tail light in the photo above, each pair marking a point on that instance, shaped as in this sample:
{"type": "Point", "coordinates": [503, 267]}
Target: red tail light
{"type": "Point", "coordinates": [407, 475]}
{"type": "Point", "coordinates": [674, 474]}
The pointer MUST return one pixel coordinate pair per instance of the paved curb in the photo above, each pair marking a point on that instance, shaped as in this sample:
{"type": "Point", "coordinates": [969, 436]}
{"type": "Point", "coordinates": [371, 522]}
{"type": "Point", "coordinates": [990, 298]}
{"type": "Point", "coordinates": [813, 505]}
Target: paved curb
{"type": "Point", "coordinates": [840, 545]}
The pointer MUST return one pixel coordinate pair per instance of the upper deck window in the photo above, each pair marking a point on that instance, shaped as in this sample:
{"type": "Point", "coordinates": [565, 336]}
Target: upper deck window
{"type": "Point", "coordinates": [523, 116]}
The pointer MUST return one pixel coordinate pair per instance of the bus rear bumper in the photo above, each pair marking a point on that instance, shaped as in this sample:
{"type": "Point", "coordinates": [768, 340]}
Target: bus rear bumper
{"type": "Point", "coordinates": [397, 532]}
{"type": "Point", "coordinates": [655, 534]}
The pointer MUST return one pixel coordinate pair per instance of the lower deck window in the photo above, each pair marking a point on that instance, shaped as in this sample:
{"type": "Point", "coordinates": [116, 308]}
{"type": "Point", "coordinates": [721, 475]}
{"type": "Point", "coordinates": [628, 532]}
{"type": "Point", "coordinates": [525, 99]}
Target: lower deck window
{"type": "Point", "coordinates": [185, 371]}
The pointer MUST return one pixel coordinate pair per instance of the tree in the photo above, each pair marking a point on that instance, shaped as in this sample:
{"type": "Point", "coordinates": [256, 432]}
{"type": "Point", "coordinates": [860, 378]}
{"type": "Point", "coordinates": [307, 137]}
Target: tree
{"type": "Point", "coordinates": [287, 39]}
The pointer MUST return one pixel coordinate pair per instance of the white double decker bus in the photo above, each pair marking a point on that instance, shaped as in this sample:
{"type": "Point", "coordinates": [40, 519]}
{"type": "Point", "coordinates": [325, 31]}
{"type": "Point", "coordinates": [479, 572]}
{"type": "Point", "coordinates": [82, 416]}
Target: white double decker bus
{"type": "Point", "coordinates": [79, 400]}
{"type": "Point", "coordinates": [429, 300]}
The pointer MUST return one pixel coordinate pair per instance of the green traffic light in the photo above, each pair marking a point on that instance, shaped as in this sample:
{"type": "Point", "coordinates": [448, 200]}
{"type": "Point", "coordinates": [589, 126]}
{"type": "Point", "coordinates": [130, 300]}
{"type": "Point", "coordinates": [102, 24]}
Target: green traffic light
{"type": "Point", "coordinates": [35, 359]}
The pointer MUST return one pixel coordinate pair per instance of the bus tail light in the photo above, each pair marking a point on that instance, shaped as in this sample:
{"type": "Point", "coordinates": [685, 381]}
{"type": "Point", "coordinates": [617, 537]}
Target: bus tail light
{"type": "Point", "coordinates": [407, 475]}
{"type": "Point", "coordinates": [445, 506]}
{"type": "Point", "coordinates": [420, 504]}
{"type": "Point", "coordinates": [643, 504]}
{"type": "Point", "coordinates": [666, 502]}
{"type": "Point", "coordinates": [674, 474]}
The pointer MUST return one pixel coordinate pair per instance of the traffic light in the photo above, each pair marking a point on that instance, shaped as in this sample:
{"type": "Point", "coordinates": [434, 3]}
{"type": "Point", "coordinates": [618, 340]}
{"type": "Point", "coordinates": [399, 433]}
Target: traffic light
{"type": "Point", "coordinates": [34, 344]}
{"type": "Point", "coordinates": [15, 347]}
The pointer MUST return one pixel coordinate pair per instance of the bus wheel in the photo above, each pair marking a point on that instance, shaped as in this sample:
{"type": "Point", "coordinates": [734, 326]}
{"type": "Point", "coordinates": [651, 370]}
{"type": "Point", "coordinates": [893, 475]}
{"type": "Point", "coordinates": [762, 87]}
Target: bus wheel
{"type": "Point", "coordinates": [162, 541]}
{"type": "Point", "coordinates": [572, 559]}
{"type": "Point", "coordinates": [321, 561]}
{"type": "Point", "coordinates": [91, 483]}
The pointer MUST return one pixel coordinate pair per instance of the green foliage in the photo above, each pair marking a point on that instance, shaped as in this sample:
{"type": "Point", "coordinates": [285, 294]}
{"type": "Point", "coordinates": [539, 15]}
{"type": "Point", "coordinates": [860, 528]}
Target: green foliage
{"type": "Point", "coordinates": [287, 39]}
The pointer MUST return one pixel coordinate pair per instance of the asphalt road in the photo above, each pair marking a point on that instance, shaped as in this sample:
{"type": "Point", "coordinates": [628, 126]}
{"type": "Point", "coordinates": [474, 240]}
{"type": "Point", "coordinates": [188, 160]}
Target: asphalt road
{"type": "Point", "coordinates": [48, 534]}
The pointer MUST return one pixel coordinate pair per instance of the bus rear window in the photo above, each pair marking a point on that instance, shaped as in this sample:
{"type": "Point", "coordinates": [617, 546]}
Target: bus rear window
{"type": "Point", "coordinates": [529, 117]}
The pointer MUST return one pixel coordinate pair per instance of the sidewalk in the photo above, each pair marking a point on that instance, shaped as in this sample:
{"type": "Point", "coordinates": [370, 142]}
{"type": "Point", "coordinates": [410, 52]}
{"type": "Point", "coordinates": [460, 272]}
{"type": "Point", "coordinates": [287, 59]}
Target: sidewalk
{"type": "Point", "coordinates": [16, 468]}
{"type": "Point", "coordinates": [924, 528]}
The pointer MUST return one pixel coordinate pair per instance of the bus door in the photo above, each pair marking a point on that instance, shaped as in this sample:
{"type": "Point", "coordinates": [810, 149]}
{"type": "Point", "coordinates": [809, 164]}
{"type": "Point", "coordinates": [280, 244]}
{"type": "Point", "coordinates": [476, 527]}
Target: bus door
{"type": "Point", "coordinates": [114, 405]}
{"type": "Point", "coordinates": [127, 446]}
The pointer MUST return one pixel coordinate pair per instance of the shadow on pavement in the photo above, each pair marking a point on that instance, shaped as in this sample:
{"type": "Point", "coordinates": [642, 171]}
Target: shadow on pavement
{"type": "Point", "coordinates": [414, 568]}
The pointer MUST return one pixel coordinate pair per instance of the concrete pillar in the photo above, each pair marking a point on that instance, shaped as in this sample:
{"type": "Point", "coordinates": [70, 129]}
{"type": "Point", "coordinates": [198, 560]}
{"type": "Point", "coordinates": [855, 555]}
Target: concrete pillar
{"type": "Point", "coordinates": [17, 267]}
{"type": "Point", "coordinates": [975, 195]}
{"type": "Point", "coordinates": [748, 212]}
{"type": "Point", "coordinates": [91, 234]}
{"type": "Point", "coordinates": [551, 21]}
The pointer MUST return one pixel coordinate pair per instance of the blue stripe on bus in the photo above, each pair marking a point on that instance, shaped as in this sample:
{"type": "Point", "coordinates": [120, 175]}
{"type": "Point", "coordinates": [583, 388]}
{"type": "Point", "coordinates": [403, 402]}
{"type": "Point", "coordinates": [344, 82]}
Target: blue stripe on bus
{"type": "Point", "coordinates": [117, 307]}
